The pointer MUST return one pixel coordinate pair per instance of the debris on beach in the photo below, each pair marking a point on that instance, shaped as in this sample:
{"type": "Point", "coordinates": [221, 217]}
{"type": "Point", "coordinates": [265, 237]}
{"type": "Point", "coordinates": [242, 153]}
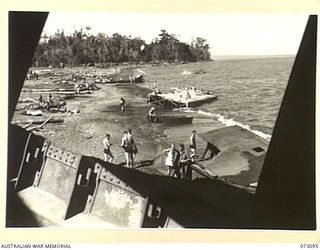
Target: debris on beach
{"type": "Point", "coordinates": [200, 71]}
{"type": "Point", "coordinates": [33, 112]}
{"type": "Point", "coordinates": [42, 124]}
{"type": "Point", "coordinates": [37, 121]}
{"type": "Point", "coordinates": [185, 72]}
{"type": "Point", "coordinates": [141, 71]}
{"type": "Point", "coordinates": [110, 80]}
{"type": "Point", "coordinates": [28, 100]}
{"type": "Point", "coordinates": [73, 111]}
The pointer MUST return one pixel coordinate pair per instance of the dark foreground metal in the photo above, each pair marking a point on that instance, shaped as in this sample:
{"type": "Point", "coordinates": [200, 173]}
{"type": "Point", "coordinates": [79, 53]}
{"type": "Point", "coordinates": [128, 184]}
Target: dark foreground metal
{"type": "Point", "coordinates": [118, 196]}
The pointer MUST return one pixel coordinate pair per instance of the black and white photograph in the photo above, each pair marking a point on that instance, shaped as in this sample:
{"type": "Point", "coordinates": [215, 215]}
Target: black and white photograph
{"type": "Point", "coordinates": [122, 120]}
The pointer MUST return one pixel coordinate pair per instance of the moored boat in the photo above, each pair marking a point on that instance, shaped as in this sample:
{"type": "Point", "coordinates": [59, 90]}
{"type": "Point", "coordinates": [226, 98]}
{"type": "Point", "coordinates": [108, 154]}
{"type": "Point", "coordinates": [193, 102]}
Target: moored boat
{"type": "Point", "coordinates": [172, 119]}
{"type": "Point", "coordinates": [180, 98]}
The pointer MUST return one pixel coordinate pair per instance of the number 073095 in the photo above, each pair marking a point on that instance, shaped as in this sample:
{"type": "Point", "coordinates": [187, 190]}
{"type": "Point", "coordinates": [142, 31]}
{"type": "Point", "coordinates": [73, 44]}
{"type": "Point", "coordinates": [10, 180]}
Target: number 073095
{"type": "Point", "coordinates": [310, 246]}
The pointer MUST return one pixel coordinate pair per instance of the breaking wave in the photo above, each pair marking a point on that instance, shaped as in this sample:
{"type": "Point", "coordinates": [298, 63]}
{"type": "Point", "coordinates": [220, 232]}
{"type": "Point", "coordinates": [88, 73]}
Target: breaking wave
{"type": "Point", "coordinates": [230, 122]}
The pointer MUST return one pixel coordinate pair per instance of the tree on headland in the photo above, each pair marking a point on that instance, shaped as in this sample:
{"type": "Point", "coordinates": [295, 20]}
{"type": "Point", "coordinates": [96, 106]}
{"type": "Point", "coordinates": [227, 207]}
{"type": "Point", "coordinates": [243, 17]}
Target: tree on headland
{"type": "Point", "coordinates": [201, 49]}
{"type": "Point", "coordinates": [83, 48]}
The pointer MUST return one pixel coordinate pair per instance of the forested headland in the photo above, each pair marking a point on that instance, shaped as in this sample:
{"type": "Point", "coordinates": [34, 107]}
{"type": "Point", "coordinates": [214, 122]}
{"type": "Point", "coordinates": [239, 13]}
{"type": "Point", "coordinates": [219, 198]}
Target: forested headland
{"type": "Point", "coordinates": [83, 48]}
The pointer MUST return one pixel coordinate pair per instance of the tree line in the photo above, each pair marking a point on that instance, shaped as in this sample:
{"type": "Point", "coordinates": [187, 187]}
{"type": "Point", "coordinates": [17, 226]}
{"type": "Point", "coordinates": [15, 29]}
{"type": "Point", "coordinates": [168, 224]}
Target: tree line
{"type": "Point", "coordinates": [83, 48]}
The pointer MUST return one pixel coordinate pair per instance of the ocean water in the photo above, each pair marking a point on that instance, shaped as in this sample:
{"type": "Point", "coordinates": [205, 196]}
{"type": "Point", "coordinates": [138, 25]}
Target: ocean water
{"type": "Point", "coordinates": [249, 91]}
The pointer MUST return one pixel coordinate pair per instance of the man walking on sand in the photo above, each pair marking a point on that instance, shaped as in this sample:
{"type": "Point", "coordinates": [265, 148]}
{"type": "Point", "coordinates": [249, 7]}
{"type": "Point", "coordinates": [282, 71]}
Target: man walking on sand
{"type": "Point", "coordinates": [122, 104]}
{"type": "Point", "coordinates": [108, 156]}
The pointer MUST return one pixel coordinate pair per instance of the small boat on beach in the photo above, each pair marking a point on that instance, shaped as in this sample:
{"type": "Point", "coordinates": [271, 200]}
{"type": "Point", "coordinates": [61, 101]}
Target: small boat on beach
{"type": "Point", "coordinates": [172, 119]}
{"type": "Point", "coordinates": [110, 80]}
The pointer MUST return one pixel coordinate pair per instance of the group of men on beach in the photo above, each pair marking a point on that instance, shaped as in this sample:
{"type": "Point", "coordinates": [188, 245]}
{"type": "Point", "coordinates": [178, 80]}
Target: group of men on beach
{"type": "Point", "coordinates": [179, 160]}
{"type": "Point", "coordinates": [128, 145]}
{"type": "Point", "coordinates": [42, 103]}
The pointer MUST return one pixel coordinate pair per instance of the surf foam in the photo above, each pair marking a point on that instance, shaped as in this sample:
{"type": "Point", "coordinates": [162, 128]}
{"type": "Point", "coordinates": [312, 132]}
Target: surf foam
{"type": "Point", "coordinates": [230, 122]}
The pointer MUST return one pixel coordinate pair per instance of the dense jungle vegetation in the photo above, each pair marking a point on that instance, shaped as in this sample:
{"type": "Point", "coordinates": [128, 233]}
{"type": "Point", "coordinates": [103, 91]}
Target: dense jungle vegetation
{"type": "Point", "coordinates": [83, 48]}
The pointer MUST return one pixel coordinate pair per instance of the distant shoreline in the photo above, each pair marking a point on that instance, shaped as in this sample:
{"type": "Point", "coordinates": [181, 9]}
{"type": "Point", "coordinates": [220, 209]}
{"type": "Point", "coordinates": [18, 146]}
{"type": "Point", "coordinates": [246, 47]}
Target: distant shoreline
{"type": "Point", "coordinates": [144, 64]}
{"type": "Point", "coordinates": [238, 57]}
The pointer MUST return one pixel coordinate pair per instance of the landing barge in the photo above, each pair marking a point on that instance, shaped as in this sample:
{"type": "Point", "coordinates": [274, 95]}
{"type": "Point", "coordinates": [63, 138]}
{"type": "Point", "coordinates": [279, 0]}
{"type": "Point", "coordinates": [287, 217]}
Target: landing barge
{"type": "Point", "coordinates": [181, 98]}
{"type": "Point", "coordinates": [172, 119]}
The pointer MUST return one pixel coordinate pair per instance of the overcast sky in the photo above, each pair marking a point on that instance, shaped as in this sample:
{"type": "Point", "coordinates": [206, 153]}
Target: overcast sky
{"type": "Point", "coordinates": [227, 34]}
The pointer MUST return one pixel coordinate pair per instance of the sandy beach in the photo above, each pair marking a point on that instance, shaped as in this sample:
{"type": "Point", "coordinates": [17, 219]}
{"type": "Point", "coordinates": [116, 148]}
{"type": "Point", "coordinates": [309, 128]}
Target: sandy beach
{"type": "Point", "coordinates": [100, 114]}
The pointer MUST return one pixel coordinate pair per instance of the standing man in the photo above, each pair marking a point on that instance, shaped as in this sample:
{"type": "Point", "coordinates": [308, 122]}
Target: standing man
{"type": "Point", "coordinates": [132, 143]}
{"type": "Point", "coordinates": [127, 149]}
{"type": "Point", "coordinates": [184, 161]}
{"type": "Point", "coordinates": [193, 144]}
{"type": "Point", "coordinates": [122, 104]}
{"type": "Point", "coordinates": [172, 156]}
{"type": "Point", "coordinates": [50, 98]}
{"type": "Point", "coordinates": [40, 100]}
{"type": "Point", "coordinates": [152, 114]}
{"type": "Point", "coordinates": [108, 156]}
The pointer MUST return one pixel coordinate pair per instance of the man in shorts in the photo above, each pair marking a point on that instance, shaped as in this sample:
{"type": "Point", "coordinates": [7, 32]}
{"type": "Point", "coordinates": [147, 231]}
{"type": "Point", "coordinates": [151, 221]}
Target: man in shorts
{"type": "Point", "coordinates": [108, 156]}
{"type": "Point", "coordinates": [171, 161]}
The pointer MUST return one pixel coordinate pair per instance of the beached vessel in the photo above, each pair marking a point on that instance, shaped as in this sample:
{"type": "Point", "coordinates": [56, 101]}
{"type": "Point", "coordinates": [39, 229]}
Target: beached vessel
{"type": "Point", "coordinates": [173, 119]}
{"type": "Point", "coordinates": [236, 155]}
{"type": "Point", "coordinates": [135, 79]}
{"type": "Point", "coordinates": [181, 98]}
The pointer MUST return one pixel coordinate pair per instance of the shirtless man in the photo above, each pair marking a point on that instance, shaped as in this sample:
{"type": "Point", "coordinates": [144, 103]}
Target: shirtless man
{"type": "Point", "coordinates": [127, 147]}
{"type": "Point", "coordinates": [193, 144]}
{"type": "Point", "coordinates": [108, 156]}
{"type": "Point", "coordinates": [132, 143]}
